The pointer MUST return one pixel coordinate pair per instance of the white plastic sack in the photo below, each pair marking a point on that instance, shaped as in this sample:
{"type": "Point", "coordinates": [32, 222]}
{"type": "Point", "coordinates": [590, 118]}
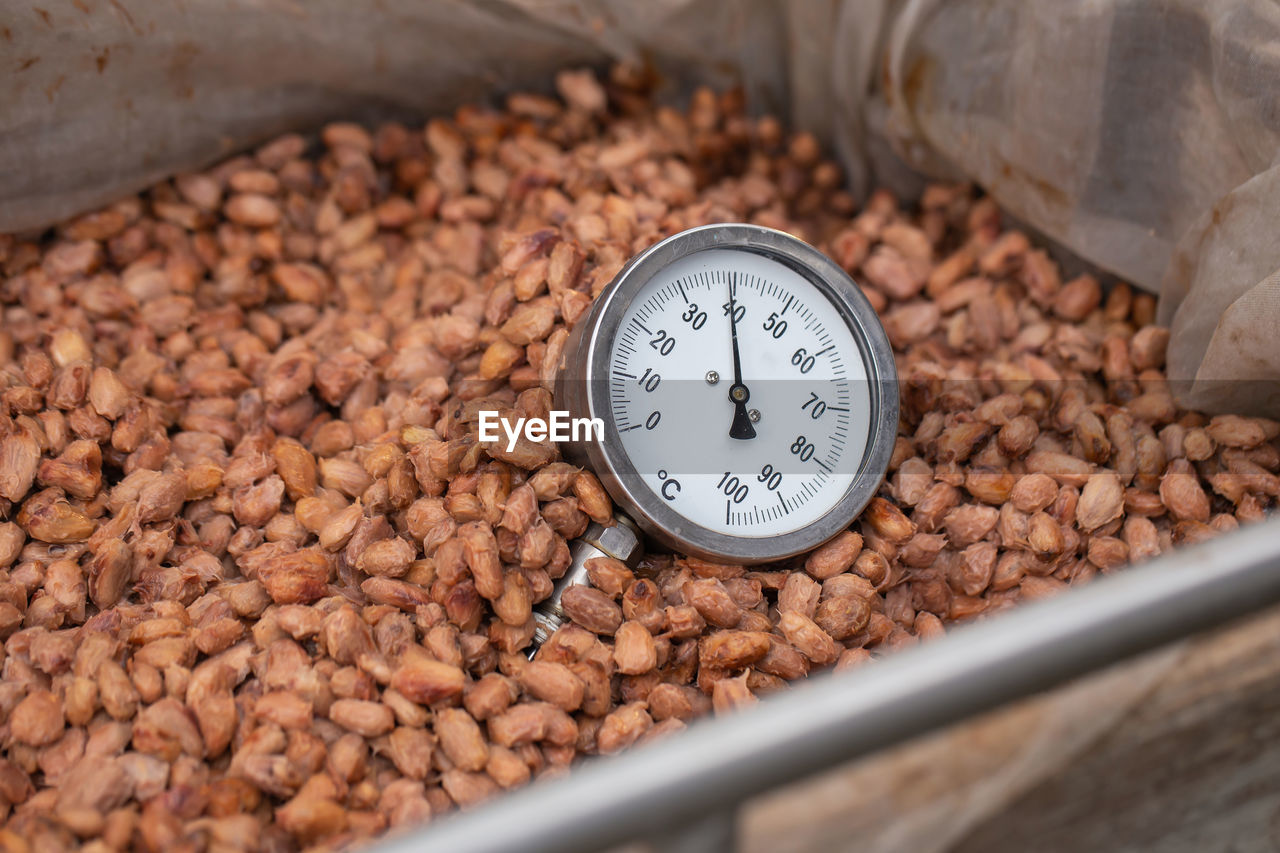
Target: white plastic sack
{"type": "Point", "coordinates": [1141, 134]}
{"type": "Point", "coordinates": [106, 97]}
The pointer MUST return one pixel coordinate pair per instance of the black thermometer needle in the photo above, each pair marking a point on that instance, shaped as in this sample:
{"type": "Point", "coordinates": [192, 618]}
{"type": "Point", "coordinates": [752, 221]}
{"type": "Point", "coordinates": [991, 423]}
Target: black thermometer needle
{"type": "Point", "coordinates": [738, 393]}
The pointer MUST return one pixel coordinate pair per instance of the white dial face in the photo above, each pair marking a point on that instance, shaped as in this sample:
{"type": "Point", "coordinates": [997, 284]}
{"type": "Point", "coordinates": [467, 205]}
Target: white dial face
{"type": "Point", "coordinates": [756, 449]}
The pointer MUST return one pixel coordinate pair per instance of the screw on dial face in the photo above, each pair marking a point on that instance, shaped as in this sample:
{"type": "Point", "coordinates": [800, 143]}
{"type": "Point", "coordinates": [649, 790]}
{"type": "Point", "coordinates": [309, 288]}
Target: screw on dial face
{"type": "Point", "coordinates": [790, 457]}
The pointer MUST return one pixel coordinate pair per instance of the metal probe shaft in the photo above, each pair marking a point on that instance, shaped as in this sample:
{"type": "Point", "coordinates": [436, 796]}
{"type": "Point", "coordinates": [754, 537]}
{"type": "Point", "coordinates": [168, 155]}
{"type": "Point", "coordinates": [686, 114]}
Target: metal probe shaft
{"type": "Point", "coordinates": [621, 541]}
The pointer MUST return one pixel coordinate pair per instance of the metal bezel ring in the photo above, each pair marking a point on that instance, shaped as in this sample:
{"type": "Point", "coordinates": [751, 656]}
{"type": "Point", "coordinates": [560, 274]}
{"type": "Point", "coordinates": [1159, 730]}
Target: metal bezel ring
{"type": "Point", "coordinates": [587, 369]}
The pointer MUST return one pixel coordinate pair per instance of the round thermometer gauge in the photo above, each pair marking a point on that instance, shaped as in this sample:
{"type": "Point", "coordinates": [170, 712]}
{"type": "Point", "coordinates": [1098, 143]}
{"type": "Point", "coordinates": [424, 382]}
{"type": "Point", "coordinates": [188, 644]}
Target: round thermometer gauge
{"type": "Point", "coordinates": [746, 389]}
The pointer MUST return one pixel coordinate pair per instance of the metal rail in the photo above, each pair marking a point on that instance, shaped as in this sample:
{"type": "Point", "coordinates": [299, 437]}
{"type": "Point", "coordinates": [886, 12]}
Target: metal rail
{"type": "Point", "coordinates": [703, 773]}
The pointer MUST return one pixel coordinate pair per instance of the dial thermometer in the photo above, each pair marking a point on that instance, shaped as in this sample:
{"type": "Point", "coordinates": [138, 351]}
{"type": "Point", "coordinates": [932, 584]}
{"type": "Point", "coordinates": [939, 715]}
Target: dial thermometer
{"type": "Point", "coordinates": [748, 397]}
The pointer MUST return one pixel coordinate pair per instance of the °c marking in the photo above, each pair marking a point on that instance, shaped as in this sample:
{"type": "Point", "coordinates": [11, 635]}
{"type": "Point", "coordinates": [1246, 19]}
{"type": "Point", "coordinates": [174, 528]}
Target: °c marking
{"type": "Point", "coordinates": [668, 483]}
